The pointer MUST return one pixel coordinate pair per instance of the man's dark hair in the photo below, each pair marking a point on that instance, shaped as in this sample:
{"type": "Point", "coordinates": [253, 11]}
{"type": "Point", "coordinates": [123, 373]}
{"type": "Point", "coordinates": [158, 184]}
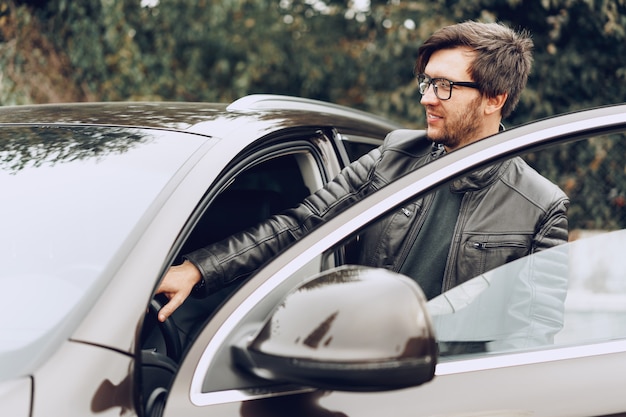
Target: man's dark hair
{"type": "Point", "coordinates": [503, 57]}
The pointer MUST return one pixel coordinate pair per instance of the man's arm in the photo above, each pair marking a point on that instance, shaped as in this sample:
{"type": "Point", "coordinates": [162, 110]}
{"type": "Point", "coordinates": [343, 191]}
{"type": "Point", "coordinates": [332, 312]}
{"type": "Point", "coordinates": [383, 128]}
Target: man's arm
{"type": "Point", "coordinates": [554, 229]}
{"type": "Point", "coordinates": [232, 259]}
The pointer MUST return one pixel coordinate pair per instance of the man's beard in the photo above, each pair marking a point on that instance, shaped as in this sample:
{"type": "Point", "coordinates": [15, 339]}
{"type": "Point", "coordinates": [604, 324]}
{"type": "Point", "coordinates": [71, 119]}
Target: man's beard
{"type": "Point", "coordinates": [463, 129]}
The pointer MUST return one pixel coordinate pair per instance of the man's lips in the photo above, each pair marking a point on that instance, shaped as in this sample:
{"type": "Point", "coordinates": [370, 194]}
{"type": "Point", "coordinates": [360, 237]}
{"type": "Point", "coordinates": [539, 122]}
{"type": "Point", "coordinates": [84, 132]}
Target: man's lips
{"type": "Point", "coordinates": [433, 119]}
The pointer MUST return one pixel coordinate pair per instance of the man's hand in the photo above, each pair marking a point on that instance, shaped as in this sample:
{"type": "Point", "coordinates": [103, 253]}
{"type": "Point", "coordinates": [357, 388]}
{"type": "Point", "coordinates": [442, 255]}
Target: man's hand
{"type": "Point", "coordinates": [177, 285]}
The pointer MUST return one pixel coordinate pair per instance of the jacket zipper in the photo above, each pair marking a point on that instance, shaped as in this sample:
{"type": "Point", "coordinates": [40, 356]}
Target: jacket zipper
{"type": "Point", "coordinates": [416, 225]}
{"type": "Point", "coordinates": [492, 245]}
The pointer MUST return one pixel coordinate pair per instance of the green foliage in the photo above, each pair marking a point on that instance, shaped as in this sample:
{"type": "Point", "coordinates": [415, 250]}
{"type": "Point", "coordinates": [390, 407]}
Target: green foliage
{"type": "Point", "coordinates": [33, 69]}
{"type": "Point", "coordinates": [593, 175]}
{"type": "Point", "coordinates": [219, 50]}
{"type": "Point", "coordinates": [212, 50]}
{"type": "Point", "coordinates": [580, 58]}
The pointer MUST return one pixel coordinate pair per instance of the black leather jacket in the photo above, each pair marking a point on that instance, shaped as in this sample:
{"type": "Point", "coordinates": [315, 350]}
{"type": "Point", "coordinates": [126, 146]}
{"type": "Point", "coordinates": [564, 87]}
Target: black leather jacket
{"type": "Point", "coordinates": [508, 211]}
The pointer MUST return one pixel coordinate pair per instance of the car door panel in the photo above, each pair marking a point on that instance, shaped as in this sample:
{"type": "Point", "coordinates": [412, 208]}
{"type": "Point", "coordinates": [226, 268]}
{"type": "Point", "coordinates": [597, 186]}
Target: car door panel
{"type": "Point", "coordinates": [539, 389]}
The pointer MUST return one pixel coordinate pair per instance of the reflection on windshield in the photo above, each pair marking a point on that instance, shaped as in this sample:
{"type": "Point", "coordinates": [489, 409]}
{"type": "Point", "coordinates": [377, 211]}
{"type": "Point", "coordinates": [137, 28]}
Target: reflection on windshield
{"type": "Point", "coordinates": [570, 294]}
{"type": "Point", "coordinates": [74, 200]}
{"type": "Point", "coordinates": [36, 146]}
{"type": "Point", "coordinates": [518, 305]}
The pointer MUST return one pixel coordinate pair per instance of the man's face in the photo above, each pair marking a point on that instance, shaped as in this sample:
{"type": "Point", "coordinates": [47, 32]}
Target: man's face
{"type": "Point", "coordinates": [459, 120]}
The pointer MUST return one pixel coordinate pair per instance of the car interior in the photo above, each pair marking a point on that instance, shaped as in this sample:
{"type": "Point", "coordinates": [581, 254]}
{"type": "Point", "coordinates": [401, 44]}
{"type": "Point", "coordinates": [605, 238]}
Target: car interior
{"type": "Point", "coordinates": [268, 186]}
{"type": "Point", "coordinates": [254, 195]}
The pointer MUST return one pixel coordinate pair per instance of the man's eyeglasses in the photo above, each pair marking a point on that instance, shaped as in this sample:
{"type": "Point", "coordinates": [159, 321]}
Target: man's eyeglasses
{"type": "Point", "coordinates": [442, 86]}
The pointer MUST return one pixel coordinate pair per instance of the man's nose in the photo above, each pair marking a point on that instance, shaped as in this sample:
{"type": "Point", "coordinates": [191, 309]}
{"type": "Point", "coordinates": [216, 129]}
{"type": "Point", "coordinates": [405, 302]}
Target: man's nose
{"type": "Point", "coordinates": [429, 97]}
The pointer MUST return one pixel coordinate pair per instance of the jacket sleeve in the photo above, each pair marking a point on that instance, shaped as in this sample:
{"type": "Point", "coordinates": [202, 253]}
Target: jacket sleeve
{"type": "Point", "coordinates": [232, 259]}
{"type": "Point", "coordinates": [553, 230]}
{"type": "Point", "coordinates": [535, 312]}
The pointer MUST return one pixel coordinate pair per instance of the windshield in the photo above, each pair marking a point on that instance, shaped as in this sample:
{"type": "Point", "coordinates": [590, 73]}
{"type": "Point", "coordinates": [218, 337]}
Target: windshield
{"type": "Point", "coordinates": [73, 198]}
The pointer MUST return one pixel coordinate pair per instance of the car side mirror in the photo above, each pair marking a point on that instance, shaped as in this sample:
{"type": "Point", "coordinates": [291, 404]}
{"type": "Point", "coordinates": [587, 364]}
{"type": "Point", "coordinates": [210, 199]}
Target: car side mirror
{"type": "Point", "coordinates": [349, 329]}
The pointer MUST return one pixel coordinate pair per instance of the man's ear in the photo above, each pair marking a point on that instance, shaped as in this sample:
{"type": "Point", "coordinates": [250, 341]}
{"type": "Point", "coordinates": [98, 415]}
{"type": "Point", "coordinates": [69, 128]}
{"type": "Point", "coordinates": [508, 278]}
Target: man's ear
{"type": "Point", "coordinates": [494, 104]}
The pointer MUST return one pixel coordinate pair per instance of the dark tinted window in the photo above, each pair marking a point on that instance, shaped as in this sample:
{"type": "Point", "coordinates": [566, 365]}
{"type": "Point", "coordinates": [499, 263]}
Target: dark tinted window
{"type": "Point", "coordinates": [357, 146]}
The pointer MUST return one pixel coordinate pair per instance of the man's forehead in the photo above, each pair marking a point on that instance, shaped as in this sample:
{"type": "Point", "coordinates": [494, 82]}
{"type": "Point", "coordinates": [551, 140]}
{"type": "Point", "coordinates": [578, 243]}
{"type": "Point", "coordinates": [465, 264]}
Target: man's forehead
{"type": "Point", "coordinates": [451, 63]}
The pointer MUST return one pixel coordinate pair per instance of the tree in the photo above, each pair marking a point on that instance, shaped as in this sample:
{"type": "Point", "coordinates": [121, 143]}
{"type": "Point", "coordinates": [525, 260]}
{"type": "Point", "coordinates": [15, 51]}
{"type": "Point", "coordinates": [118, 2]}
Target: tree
{"type": "Point", "coordinates": [352, 53]}
{"type": "Point", "coordinates": [355, 53]}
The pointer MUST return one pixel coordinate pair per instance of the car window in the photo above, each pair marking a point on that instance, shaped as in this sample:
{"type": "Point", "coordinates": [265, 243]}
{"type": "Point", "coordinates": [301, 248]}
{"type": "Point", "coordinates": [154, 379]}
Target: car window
{"type": "Point", "coordinates": [592, 173]}
{"type": "Point", "coordinates": [358, 145]}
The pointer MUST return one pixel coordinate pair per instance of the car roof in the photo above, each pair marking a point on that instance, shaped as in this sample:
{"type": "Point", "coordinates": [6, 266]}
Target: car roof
{"type": "Point", "coordinates": [263, 113]}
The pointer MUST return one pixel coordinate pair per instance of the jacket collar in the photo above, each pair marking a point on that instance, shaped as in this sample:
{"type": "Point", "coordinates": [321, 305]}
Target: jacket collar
{"type": "Point", "coordinates": [475, 180]}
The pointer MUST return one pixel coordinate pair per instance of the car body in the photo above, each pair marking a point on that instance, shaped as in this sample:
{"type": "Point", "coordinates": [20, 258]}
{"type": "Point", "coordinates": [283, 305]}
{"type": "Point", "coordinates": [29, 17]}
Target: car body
{"type": "Point", "coordinates": [100, 199]}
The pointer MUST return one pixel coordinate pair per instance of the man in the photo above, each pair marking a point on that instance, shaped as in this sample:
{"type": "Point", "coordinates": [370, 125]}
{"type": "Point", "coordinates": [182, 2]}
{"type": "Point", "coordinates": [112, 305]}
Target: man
{"type": "Point", "coordinates": [470, 76]}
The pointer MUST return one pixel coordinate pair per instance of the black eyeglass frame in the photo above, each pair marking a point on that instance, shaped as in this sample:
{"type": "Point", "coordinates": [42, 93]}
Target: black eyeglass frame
{"type": "Point", "coordinates": [428, 80]}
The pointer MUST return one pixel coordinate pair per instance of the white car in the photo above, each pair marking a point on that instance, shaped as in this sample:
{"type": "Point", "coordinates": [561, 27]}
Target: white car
{"type": "Point", "coordinates": [100, 199]}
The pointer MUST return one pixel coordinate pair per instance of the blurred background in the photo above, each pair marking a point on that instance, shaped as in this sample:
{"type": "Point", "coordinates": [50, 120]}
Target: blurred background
{"type": "Point", "coordinates": [357, 53]}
